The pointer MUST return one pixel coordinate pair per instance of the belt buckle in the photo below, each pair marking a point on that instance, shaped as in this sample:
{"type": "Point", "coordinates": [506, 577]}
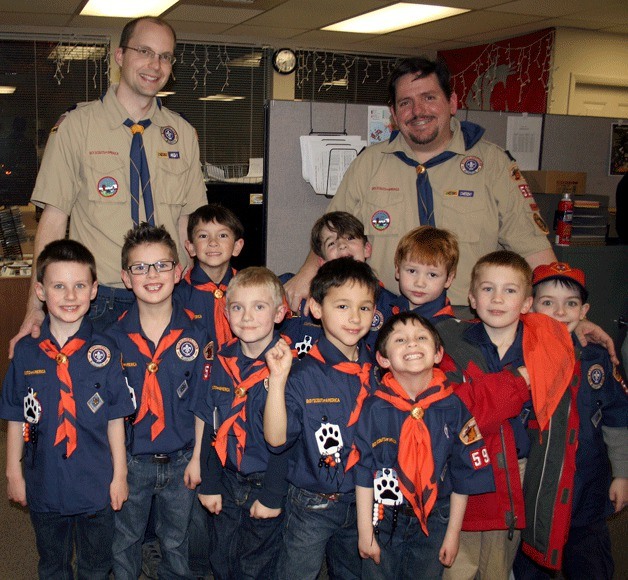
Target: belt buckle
{"type": "Point", "coordinates": [161, 458]}
{"type": "Point", "coordinates": [331, 496]}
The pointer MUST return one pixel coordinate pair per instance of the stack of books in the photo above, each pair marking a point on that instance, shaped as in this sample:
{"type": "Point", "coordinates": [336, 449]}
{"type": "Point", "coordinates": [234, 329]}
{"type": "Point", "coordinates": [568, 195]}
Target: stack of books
{"type": "Point", "coordinates": [590, 220]}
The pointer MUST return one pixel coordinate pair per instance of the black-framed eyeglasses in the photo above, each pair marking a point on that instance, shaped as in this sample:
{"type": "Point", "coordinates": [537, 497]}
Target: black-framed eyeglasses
{"type": "Point", "coordinates": [142, 269]}
{"type": "Point", "coordinates": [164, 57]}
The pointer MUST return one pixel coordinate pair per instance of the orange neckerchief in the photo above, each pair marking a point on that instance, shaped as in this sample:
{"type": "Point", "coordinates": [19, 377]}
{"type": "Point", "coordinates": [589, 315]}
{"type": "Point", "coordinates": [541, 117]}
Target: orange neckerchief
{"type": "Point", "coordinates": [67, 404]}
{"type": "Point", "coordinates": [152, 399]}
{"type": "Point", "coordinates": [415, 463]}
{"type": "Point", "coordinates": [363, 372]}
{"type": "Point", "coordinates": [549, 356]}
{"type": "Point", "coordinates": [238, 406]}
{"type": "Point", "coordinates": [221, 325]}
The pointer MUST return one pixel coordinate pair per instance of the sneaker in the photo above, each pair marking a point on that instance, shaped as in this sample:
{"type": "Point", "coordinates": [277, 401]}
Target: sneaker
{"type": "Point", "coordinates": [151, 557]}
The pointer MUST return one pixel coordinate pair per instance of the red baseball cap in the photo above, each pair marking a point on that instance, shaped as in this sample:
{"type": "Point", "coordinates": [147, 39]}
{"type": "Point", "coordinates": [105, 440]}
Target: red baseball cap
{"type": "Point", "coordinates": [558, 271]}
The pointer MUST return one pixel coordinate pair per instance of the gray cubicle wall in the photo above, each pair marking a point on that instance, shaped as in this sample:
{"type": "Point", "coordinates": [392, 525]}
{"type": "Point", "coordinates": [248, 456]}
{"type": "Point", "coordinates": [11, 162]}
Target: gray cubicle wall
{"type": "Point", "coordinates": [569, 143]}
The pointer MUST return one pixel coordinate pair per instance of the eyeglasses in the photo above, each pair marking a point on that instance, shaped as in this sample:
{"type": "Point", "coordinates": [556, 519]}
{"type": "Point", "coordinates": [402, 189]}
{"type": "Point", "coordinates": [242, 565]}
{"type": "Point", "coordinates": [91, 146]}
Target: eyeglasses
{"type": "Point", "coordinates": [164, 57]}
{"type": "Point", "coordinates": [142, 269]}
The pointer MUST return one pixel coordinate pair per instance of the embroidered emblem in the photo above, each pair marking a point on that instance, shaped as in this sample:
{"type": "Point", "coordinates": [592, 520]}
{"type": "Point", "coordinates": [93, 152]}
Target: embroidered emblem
{"type": "Point", "coordinates": [207, 369]}
{"type": "Point", "coordinates": [386, 487]}
{"type": "Point", "coordinates": [538, 220]}
{"type": "Point", "coordinates": [98, 356]}
{"type": "Point", "coordinates": [515, 173]}
{"type": "Point", "coordinates": [187, 349]}
{"type": "Point", "coordinates": [465, 193]}
{"type": "Point", "coordinates": [451, 193]}
{"type": "Point", "coordinates": [163, 154]}
{"type": "Point", "coordinates": [470, 433]}
{"type": "Point", "coordinates": [60, 120]}
{"type": "Point", "coordinates": [304, 346]}
{"type": "Point", "coordinates": [471, 165]}
{"type": "Point", "coordinates": [534, 207]}
{"type": "Point", "coordinates": [32, 407]}
{"type": "Point", "coordinates": [95, 403]}
{"type": "Point", "coordinates": [380, 220]}
{"type": "Point", "coordinates": [170, 135]}
{"type": "Point", "coordinates": [173, 155]}
{"type": "Point", "coordinates": [525, 190]}
{"type": "Point", "coordinates": [182, 389]}
{"type": "Point", "coordinates": [378, 320]}
{"type": "Point", "coordinates": [617, 376]}
{"type": "Point", "coordinates": [329, 443]}
{"type": "Point", "coordinates": [208, 351]}
{"type": "Point", "coordinates": [480, 458]}
{"type": "Point", "coordinates": [107, 186]}
{"type": "Point", "coordinates": [595, 376]}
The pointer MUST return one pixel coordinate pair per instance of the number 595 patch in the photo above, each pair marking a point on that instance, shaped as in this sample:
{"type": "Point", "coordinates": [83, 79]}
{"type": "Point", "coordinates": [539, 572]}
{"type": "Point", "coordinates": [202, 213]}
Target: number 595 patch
{"type": "Point", "coordinates": [480, 458]}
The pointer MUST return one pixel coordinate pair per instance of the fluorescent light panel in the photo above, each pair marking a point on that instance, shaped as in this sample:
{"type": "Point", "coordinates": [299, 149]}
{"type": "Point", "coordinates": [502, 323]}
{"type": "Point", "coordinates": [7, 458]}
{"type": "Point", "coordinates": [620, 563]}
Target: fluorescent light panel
{"type": "Point", "coordinates": [221, 98]}
{"type": "Point", "coordinates": [395, 17]}
{"type": "Point", "coordinates": [126, 9]}
{"type": "Point", "coordinates": [6, 90]}
{"type": "Point", "coordinates": [78, 52]}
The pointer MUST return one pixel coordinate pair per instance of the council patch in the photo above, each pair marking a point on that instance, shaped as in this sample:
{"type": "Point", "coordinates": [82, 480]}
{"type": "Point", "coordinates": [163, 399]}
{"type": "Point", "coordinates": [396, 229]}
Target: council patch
{"type": "Point", "coordinates": [380, 220]}
{"type": "Point", "coordinates": [107, 186]}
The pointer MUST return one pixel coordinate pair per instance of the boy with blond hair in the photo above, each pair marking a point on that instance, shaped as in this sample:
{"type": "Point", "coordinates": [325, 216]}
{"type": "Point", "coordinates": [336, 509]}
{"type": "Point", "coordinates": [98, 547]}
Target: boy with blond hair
{"type": "Point", "coordinates": [243, 484]}
{"type": "Point", "coordinates": [65, 398]}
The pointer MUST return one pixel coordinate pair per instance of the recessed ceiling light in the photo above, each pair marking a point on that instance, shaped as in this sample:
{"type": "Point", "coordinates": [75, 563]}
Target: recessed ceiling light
{"type": "Point", "coordinates": [395, 17]}
{"type": "Point", "coordinates": [6, 90]}
{"type": "Point", "coordinates": [221, 97]}
{"type": "Point", "coordinates": [337, 83]}
{"type": "Point", "coordinates": [165, 93]}
{"type": "Point", "coordinates": [76, 52]}
{"type": "Point", "coordinates": [126, 9]}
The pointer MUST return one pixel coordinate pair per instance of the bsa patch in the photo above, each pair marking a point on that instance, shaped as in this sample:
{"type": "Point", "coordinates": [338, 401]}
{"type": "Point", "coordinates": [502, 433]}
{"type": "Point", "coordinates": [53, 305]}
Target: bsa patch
{"type": "Point", "coordinates": [173, 155]}
{"type": "Point", "coordinates": [208, 351]}
{"type": "Point", "coordinates": [98, 356]}
{"type": "Point", "coordinates": [60, 120]}
{"type": "Point", "coordinates": [465, 193]}
{"type": "Point", "coordinates": [595, 376]}
{"type": "Point", "coordinates": [378, 320]}
{"type": "Point", "coordinates": [470, 433]}
{"type": "Point", "coordinates": [187, 349]}
{"type": "Point", "coordinates": [32, 407]}
{"type": "Point", "coordinates": [534, 207]}
{"type": "Point", "coordinates": [515, 173]}
{"type": "Point", "coordinates": [524, 188]}
{"type": "Point", "coordinates": [471, 165]}
{"type": "Point", "coordinates": [207, 369]}
{"type": "Point", "coordinates": [380, 220]}
{"type": "Point", "coordinates": [480, 458]}
{"type": "Point", "coordinates": [170, 135]}
{"type": "Point", "coordinates": [182, 389]}
{"type": "Point", "coordinates": [95, 403]}
{"type": "Point", "coordinates": [107, 186]}
{"type": "Point", "coordinates": [538, 220]}
{"type": "Point", "coordinates": [451, 193]}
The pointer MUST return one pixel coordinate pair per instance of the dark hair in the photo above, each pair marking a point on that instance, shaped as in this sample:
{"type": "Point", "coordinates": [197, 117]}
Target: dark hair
{"type": "Point", "coordinates": [335, 273]}
{"type": "Point", "coordinates": [64, 251]}
{"type": "Point", "coordinates": [404, 318]}
{"type": "Point", "coordinates": [147, 234]}
{"type": "Point", "coordinates": [129, 29]}
{"type": "Point", "coordinates": [565, 283]}
{"type": "Point", "coordinates": [214, 212]}
{"type": "Point", "coordinates": [429, 245]}
{"type": "Point", "coordinates": [342, 223]}
{"type": "Point", "coordinates": [421, 67]}
{"type": "Point", "coordinates": [507, 259]}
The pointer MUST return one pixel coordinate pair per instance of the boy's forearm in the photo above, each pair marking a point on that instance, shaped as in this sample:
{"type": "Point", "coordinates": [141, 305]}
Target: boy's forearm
{"type": "Point", "coordinates": [457, 507]}
{"type": "Point", "coordinates": [275, 413]}
{"type": "Point", "coordinates": [364, 504]}
{"type": "Point", "coordinates": [115, 435]}
{"type": "Point", "coordinates": [15, 449]}
{"type": "Point", "coordinates": [199, 429]}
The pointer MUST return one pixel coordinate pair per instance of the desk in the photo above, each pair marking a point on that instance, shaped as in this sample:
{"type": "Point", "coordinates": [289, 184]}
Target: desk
{"type": "Point", "coordinates": [13, 295]}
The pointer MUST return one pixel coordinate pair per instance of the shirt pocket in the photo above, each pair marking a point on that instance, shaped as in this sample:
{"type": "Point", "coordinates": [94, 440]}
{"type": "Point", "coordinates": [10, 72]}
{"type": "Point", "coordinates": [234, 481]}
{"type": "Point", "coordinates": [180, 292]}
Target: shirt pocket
{"type": "Point", "coordinates": [170, 179]}
{"type": "Point", "coordinates": [107, 179]}
{"type": "Point", "coordinates": [466, 216]}
{"type": "Point", "coordinates": [385, 213]}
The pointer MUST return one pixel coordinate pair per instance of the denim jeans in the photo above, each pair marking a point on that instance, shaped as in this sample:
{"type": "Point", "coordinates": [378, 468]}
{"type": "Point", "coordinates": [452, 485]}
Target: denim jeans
{"type": "Point", "coordinates": [241, 546]}
{"type": "Point", "coordinates": [406, 552]}
{"type": "Point", "coordinates": [199, 540]}
{"type": "Point", "coordinates": [316, 526]}
{"type": "Point", "coordinates": [56, 534]}
{"type": "Point", "coordinates": [109, 305]}
{"type": "Point", "coordinates": [173, 502]}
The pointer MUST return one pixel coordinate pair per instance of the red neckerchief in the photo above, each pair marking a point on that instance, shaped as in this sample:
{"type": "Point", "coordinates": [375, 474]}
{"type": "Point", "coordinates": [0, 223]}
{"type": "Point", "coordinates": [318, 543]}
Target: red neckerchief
{"type": "Point", "coordinates": [415, 462]}
{"type": "Point", "coordinates": [67, 404]}
{"type": "Point", "coordinates": [152, 399]}
{"type": "Point", "coordinates": [363, 372]}
{"type": "Point", "coordinates": [221, 325]}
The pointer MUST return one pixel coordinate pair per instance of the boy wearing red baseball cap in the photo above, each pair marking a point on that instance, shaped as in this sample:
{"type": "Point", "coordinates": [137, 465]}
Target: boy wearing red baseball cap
{"type": "Point", "coordinates": [570, 488]}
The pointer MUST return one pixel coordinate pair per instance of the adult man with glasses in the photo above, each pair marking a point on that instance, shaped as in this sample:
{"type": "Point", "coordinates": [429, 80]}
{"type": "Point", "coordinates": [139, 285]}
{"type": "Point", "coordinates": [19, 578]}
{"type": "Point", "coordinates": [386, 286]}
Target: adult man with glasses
{"type": "Point", "coordinates": [117, 161]}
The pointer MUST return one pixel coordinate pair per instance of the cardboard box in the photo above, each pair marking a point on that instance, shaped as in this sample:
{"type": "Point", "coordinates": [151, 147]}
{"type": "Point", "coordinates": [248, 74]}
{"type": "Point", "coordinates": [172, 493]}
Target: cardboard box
{"type": "Point", "coordinates": [560, 182]}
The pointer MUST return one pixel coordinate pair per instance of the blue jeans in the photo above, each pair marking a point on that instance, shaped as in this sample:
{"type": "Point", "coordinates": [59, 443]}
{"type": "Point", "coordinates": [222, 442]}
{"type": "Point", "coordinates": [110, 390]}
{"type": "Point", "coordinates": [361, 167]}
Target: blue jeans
{"type": "Point", "coordinates": [199, 540]}
{"type": "Point", "coordinates": [173, 502]}
{"type": "Point", "coordinates": [55, 536]}
{"type": "Point", "coordinates": [109, 305]}
{"type": "Point", "coordinates": [241, 546]}
{"type": "Point", "coordinates": [316, 526]}
{"type": "Point", "coordinates": [406, 552]}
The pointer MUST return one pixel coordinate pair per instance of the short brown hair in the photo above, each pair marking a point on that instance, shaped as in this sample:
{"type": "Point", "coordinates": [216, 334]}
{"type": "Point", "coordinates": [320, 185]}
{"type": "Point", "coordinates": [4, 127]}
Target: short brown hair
{"type": "Point", "coordinates": [258, 276]}
{"type": "Point", "coordinates": [338, 272]}
{"type": "Point", "coordinates": [64, 251]}
{"type": "Point", "coordinates": [214, 212]}
{"type": "Point", "coordinates": [507, 259]}
{"type": "Point", "coordinates": [146, 234]}
{"type": "Point", "coordinates": [404, 318]}
{"type": "Point", "coordinates": [429, 245]}
{"type": "Point", "coordinates": [342, 223]}
{"type": "Point", "coordinates": [129, 29]}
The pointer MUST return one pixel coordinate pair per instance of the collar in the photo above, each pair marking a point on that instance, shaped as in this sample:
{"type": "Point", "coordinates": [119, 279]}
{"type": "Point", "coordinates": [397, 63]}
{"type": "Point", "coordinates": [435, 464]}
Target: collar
{"type": "Point", "coordinates": [333, 356]}
{"type": "Point", "coordinates": [476, 334]}
{"type": "Point", "coordinates": [234, 349]}
{"type": "Point", "coordinates": [429, 309]}
{"type": "Point", "coordinates": [131, 320]}
{"type": "Point", "coordinates": [84, 331]}
{"type": "Point", "coordinates": [198, 276]}
{"type": "Point", "coordinates": [116, 114]}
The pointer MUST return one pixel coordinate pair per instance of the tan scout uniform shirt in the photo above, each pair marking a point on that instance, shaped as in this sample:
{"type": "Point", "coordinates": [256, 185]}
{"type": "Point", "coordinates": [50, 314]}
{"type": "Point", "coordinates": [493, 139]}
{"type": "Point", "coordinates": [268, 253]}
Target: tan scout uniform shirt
{"type": "Point", "coordinates": [85, 173]}
{"type": "Point", "coordinates": [488, 209]}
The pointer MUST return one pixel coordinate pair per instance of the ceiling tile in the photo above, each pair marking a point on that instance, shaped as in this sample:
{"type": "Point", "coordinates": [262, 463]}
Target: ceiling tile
{"type": "Point", "coordinates": [211, 14]}
{"type": "Point", "coordinates": [265, 31]}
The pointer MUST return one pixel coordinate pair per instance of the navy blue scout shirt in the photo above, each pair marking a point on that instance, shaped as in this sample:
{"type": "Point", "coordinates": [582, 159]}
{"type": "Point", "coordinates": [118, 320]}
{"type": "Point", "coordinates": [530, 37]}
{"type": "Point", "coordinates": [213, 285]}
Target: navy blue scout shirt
{"type": "Point", "coordinates": [304, 331]}
{"type": "Point", "coordinates": [513, 358]}
{"type": "Point", "coordinates": [80, 483]}
{"type": "Point", "coordinates": [182, 376]}
{"type": "Point", "coordinates": [200, 302]}
{"type": "Point", "coordinates": [216, 407]}
{"type": "Point", "coordinates": [602, 402]}
{"type": "Point", "coordinates": [459, 464]}
{"type": "Point", "coordinates": [434, 311]}
{"type": "Point", "coordinates": [319, 401]}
